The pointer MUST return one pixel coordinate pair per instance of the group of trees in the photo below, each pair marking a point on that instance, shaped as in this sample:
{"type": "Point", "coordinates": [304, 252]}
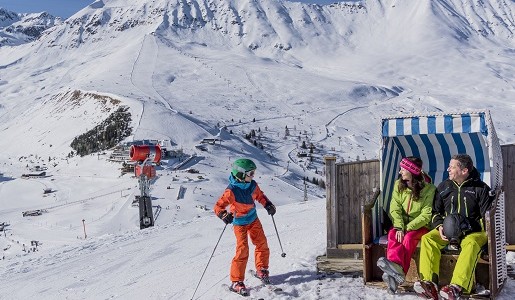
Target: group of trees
{"type": "Point", "coordinates": [319, 182]}
{"type": "Point", "coordinates": [105, 135]}
{"type": "Point", "coordinates": [253, 138]}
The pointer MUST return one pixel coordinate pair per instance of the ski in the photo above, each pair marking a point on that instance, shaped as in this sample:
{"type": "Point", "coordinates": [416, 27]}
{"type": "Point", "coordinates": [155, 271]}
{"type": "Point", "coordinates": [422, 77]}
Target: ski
{"type": "Point", "coordinates": [229, 288]}
{"type": "Point", "coordinates": [267, 283]}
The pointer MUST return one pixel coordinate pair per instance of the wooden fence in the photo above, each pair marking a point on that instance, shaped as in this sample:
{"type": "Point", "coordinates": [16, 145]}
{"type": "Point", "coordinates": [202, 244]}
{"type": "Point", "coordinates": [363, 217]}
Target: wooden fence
{"type": "Point", "coordinates": [348, 186]}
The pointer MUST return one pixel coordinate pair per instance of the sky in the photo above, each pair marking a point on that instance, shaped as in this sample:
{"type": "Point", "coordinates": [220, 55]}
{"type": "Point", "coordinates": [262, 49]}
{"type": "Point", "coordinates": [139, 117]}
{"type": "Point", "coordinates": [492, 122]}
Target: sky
{"type": "Point", "coordinates": [186, 85]}
{"type": "Point", "coordinates": [58, 8]}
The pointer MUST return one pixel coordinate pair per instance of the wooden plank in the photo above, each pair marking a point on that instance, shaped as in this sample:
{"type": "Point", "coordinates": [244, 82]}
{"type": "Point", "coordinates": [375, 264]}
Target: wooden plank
{"type": "Point", "coordinates": [349, 267]}
{"type": "Point", "coordinates": [354, 189]}
{"type": "Point", "coordinates": [508, 154]}
{"type": "Point", "coordinates": [345, 251]}
{"type": "Point", "coordinates": [344, 210]}
{"type": "Point", "coordinates": [348, 194]}
{"type": "Point", "coordinates": [363, 189]}
{"type": "Point", "coordinates": [332, 224]}
{"type": "Point", "coordinates": [343, 191]}
{"type": "Point", "coordinates": [350, 247]}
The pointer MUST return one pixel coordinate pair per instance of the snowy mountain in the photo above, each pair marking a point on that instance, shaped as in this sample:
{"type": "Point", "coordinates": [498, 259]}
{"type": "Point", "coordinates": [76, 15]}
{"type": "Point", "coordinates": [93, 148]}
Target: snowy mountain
{"type": "Point", "coordinates": [16, 29]}
{"type": "Point", "coordinates": [285, 25]}
{"type": "Point", "coordinates": [354, 52]}
{"type": "Point", "coordinates": [187, 70]}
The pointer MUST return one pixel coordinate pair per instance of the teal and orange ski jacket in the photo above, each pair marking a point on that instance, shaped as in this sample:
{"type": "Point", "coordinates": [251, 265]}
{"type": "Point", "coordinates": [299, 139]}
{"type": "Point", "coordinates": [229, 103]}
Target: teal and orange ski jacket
{"type": "Point", "coordinates": [241, 197]}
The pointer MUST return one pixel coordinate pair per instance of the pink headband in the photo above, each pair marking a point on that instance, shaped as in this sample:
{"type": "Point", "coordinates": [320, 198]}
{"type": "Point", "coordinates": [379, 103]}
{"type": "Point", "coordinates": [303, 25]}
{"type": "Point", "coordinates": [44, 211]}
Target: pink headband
{"type": "Point", "coordinates": [410, 166]}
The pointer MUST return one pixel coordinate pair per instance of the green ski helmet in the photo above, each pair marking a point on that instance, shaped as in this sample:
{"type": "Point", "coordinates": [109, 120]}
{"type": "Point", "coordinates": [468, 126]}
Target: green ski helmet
{"type": "Point", "coordinates": [241, 166]}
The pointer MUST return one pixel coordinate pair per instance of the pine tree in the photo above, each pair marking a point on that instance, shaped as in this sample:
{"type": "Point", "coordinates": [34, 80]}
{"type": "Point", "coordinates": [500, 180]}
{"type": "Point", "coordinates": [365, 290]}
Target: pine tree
{"type": "Point", "coordinates": [321, 184]}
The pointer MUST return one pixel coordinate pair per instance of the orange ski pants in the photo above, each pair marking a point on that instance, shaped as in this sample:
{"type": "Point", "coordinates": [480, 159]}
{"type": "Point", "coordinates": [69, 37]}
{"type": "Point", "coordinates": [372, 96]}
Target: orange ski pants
{"type": "Point", "coordinates": [261, 252]}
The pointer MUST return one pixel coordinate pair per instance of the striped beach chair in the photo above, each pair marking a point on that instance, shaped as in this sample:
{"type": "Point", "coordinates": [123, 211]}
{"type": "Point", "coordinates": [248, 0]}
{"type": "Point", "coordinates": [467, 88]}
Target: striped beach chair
{"type": "Point", "coordinates": [436, 138]}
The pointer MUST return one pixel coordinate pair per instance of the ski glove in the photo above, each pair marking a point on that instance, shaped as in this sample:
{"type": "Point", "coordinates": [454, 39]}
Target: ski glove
{"type": "Point", "coordinates": [225, 216]}
{"type": "Point", "coordinates": [270, 208]}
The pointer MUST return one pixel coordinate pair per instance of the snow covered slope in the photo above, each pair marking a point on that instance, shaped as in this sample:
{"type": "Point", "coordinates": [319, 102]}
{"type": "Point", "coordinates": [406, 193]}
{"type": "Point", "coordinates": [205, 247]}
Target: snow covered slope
{"type": "Point", "coordinates": [195, 69]}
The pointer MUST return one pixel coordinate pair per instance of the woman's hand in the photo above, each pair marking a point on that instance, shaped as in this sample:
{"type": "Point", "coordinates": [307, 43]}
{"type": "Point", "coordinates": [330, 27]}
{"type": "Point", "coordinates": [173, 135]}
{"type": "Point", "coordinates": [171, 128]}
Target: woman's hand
{"type": "Point", "coordinates": [399, 236]}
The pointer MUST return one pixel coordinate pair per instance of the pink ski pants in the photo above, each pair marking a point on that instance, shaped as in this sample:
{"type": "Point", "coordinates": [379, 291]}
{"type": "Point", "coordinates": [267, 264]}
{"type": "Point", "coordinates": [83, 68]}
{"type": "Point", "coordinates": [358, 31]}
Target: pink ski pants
{"type": "Point", "coordinates": [401, 253]}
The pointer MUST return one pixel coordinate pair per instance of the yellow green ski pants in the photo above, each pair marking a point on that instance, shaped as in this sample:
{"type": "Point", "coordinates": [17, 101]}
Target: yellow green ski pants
{"type": "Point", "coordinates": [430, 254]}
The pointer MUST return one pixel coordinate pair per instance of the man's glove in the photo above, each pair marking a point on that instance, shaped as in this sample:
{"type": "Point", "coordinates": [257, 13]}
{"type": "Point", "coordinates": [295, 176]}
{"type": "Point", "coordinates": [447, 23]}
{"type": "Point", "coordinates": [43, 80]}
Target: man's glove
{"type": "Point", "coordinates": [225, 216]}
{"type": "Point", "coordinates": [270, 208]}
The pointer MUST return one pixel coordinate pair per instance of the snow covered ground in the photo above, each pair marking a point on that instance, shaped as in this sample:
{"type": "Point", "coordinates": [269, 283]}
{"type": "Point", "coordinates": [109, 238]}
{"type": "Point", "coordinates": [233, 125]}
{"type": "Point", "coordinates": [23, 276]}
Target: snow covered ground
{"type": "Point", "coordinates": [118, 261]}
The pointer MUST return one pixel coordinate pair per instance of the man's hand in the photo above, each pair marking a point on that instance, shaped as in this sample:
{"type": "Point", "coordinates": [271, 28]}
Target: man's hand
{"type": "Point", "coordinates": [440, 229]}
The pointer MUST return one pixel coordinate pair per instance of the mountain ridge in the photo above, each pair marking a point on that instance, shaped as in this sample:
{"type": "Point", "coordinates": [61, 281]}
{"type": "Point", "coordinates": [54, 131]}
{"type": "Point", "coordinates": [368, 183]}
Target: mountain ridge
{"type": "Point", "coordinates": [16, 29]}
{"type": "Point", "coordinates": [277, 22]}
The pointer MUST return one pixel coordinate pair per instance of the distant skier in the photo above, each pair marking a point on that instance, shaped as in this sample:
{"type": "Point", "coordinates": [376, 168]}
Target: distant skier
{"type": "Point", "coordinates": [240, 196]}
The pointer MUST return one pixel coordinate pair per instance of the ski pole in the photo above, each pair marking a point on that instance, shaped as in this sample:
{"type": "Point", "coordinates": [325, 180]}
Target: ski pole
{"type": "Point", "coordinates": [208, 262]}
{"type": "Point", "coordinates": [282, 254]}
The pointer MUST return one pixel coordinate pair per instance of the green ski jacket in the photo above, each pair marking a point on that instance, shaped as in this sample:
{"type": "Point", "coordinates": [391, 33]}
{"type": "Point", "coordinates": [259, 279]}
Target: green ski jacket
{"type": "Point", "coordinates": [408, 214]}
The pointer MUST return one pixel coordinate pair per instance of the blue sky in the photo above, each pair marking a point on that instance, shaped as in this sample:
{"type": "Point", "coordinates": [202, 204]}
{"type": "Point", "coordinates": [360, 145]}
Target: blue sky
{"type": "Point", "coordinates": [66, 8]}
{"type": "Point", "coordinates": [60, 8]}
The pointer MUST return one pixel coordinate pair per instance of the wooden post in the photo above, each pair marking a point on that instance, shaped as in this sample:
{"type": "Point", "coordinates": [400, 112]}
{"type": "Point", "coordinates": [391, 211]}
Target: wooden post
{"type": "Point", "coordinates": [366, 234]}
{"type": "Point", "coordinates": [84, 225]}
{"type": "Point", "coordinates": [331, 204]}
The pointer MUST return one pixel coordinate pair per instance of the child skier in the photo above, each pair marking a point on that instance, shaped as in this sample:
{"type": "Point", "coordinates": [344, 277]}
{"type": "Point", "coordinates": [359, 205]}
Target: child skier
{"type": "Point", "coordinates": [240, 196]}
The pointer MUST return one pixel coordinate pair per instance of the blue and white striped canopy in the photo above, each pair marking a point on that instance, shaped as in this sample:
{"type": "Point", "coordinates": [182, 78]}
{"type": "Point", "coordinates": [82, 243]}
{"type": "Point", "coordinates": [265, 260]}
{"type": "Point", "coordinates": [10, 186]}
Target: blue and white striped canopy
{"type": "Point", "coordinates": [435, 138]}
